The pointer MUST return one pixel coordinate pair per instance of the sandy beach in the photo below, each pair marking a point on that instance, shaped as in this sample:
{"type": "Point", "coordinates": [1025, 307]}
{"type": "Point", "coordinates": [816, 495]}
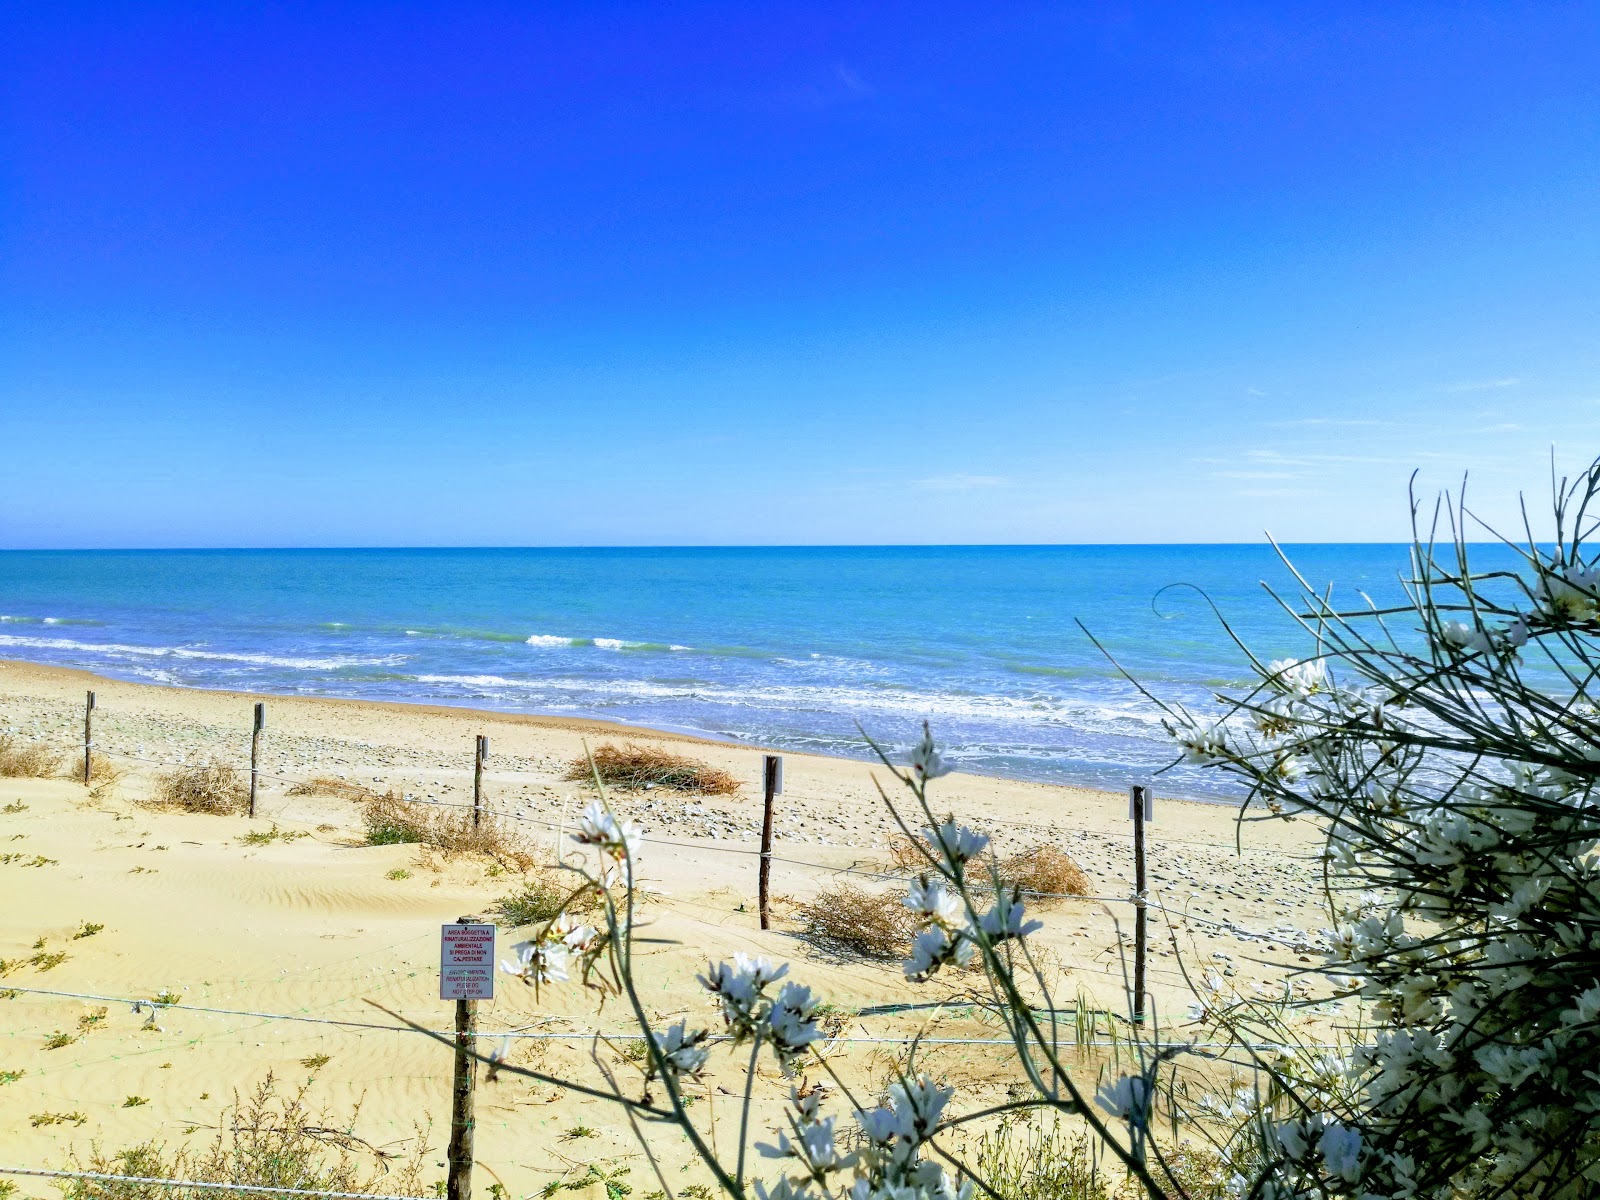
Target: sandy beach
{"type": "Point", "coordinates": [270, 945]}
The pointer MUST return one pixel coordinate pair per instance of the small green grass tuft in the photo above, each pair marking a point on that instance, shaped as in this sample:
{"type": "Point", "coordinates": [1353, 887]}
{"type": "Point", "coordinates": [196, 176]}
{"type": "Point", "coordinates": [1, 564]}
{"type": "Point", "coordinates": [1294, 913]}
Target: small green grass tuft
{"type": "Point", "coordinates": [265, 837]}
{"type": "Point", "coordinates": [315, 1062]}
{"type": "Point", "coordinates": [58, 1040]}
{"type": "Point", "coordinates": [40, 1120]}
{"type": "Point", "coordinates": [398, 873]}
{"type": "Point", "coordinates": [87, 929]}
{"type": "Point", "coordinates": [135, 1101]}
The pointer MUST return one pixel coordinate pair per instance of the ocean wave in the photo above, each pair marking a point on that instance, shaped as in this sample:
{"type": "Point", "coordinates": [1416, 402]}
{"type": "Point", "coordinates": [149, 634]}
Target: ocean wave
{"type": "Point", "coordinates": [1127, 716]}
{"type": "Point", "coordinates": [120, 650]}
{"type": "Point", "coordinates": [600, 643]}
{"type": "Point", "coordinates": [21, 620]}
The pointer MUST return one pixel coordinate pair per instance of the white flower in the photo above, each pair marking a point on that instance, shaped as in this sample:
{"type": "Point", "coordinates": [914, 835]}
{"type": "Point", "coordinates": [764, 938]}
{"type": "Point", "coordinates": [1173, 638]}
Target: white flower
{"type": "Point", "coordinates": [911, 1115]}
{"type": "Point", "coordinates": [1004, 920]}
{"type": "Point", "coordinates": [740, 987]}
{"type": "Point", "coordinates": [1298, 678]}
{"type": "Point", "coordinates": [1127, 1098]}
{"type": "Point", "coordinates": [537, 962]}
{"type": "Point", "coordinates": [816, 1147]}
{"type": "Point", "coordinates": [926, 761]}
{"type": "Point", "coordinates": [685, 1053]}
{"type": "Point", "coordinates": [782, 1190]}
{"type": "Point", "coordinates": [598, 826]}
{"type": "Point", "coordinates": [930, 898]}
{"type": "Point", "coordinates": [1291, 1137]}
{"type": "Point", "coordinates": [1341, 1151]}
{"type": "Point", "coordinates": [956, 843]}
{"type": "Point", "coordinates": [791, 1025]}
{"type": "Point", "coordinates": [1568, 591]}
{"type": "Point", "coordinates": [1202, 744]}
{"type": "Point", "coordinates": [936, 947]}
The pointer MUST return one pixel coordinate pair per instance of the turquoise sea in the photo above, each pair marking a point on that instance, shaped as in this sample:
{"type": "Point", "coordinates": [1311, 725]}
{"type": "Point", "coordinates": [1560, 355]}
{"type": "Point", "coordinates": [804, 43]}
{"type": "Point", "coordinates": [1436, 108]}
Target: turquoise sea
{"type": "Point", "coordinates": [787, 647]}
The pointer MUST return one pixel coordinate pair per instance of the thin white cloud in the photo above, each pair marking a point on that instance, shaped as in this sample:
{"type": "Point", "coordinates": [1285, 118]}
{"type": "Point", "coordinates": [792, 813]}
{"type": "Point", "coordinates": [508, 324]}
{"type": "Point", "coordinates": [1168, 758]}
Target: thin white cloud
{"type": "Point", "coordinates": [1483, 385]}
{"type": "Point", "coordinates": [959, 482]}
{"type": "Point", "coordinates": [1333, 423]}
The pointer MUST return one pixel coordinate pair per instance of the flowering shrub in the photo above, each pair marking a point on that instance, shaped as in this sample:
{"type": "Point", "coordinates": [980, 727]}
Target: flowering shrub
{"type": "Point", "coordinates": [1451, 745]}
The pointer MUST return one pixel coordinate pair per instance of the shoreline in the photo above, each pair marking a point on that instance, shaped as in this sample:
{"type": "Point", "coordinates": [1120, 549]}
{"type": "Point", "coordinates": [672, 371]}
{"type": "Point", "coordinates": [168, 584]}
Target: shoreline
{"type": "Point", "coordinates": [598, 726]}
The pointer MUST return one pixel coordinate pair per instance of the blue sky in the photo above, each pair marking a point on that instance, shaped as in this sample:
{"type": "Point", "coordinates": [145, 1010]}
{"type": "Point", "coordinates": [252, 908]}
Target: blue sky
{"type": "Point", "coordinates": [755, 273]}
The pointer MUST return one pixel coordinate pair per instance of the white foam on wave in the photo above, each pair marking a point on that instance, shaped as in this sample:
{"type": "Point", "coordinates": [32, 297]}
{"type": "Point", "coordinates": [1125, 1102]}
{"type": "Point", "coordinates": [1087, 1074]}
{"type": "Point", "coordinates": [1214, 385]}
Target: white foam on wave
{"type": "Point", "coordinates": [548, 639]}
{"type": "Point", "coordinates": [1128, 717]}
{"type": "Point", "coordinates": [121, 650]}
{"type": "Point", "coordinates": [610, 643]}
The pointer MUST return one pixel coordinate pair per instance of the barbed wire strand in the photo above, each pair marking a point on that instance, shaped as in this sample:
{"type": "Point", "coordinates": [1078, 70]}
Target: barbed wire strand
{"type": "Point", "coordinates": [259, 1189]}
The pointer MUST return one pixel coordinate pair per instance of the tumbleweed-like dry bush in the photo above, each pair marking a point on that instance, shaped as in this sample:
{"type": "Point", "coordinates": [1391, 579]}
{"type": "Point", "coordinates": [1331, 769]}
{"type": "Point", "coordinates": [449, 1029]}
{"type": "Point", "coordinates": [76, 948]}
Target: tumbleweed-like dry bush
{"type": "Point", "coordinates": [634, 766]}
{"type": "Point", "coordinates": [846, 919]}
{"type": "Point", "coordinates": [20, 759]}
{"type": "Point", "coordinates": [1045, 871]}
{"type": "Point", "coordinates": [202, 787]}
{"type": "Point", "coordinates": [330, 785]}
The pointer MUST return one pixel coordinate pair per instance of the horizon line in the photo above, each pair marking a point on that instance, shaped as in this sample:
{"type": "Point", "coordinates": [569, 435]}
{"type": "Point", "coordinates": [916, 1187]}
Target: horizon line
{"type": "Point", "coordinates": [598, 546]}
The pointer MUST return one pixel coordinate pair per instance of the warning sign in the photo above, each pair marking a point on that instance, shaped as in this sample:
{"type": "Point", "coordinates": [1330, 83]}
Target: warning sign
{"type": "Point", "coordinates": [466, 962]}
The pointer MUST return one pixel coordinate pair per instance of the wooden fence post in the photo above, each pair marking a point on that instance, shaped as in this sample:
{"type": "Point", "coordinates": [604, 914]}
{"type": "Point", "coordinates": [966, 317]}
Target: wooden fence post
{"type": "Point", "coordinates": [477, 780]}
{"type": "Point", "coordinates": [255, 751]}
{"type": "Point", "coordinates": [772, 784]}
{"type": "Point", "coordinates": [88, 740]}
{"type": "Point", "coordinates": [1140, 806]}
{"type": "Point", "coordinates": [458, 1186]}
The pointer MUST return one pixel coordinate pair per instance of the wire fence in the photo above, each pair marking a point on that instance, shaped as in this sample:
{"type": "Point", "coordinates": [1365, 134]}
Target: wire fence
{"type": "Point", "coordinates": [254, 1189]}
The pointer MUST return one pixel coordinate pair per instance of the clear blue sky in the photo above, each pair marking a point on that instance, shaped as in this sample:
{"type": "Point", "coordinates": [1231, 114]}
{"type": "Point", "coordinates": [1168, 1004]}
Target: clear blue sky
{"type": "Point", "coordinates": [548, 274]}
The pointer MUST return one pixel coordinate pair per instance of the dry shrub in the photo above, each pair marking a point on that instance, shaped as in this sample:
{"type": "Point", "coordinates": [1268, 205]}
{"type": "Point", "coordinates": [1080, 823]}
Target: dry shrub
{"type": "Point", "coordinates": [203, 787]}
{"type": "Point", "coordinates": [267, 1140]}
{"type": "Point", "coordinates": [101, 769]}
{"type": "Point", "coordinates": [545, 891]}
{"type": "Point", "coordinates": [1045, 870]}
{"type": "Point", "coordinates": [634, 766]}
{"type": "Point", "coordinates": [906, 855]}
{"type": "Point", "coordinates": [330, 785]}
{"type": "Point", "coordinates": [851, 920]}
{"type": "Point", "coordinates": [21, 759]}
{"type": "Point", "coordinates": [392, 821]}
